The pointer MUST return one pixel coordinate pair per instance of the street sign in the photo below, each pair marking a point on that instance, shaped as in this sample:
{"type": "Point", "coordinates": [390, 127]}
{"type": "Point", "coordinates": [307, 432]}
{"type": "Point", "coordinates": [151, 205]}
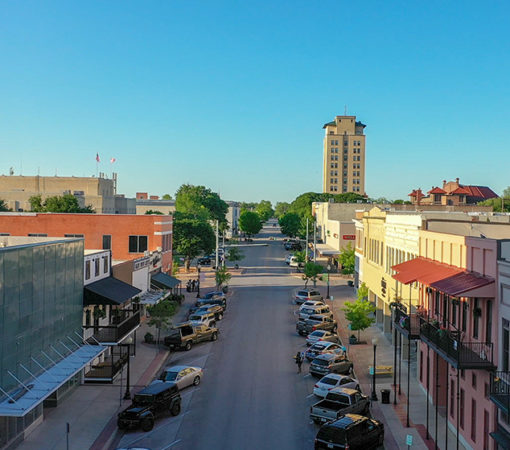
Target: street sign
{"type": "Point", "coordinates": [409, 440]}
{"type": "Point", "coordinates": [349, 327]}
{"type": "Point", "coordinates": [325, 276]}
{"type": "Point", "coordinates": [371, 372]}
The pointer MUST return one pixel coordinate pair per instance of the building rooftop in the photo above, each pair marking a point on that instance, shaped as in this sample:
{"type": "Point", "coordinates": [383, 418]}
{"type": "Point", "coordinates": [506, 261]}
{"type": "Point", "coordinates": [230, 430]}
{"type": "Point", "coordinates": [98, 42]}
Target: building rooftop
{"type": "Point", "coordinates": [18, 241]}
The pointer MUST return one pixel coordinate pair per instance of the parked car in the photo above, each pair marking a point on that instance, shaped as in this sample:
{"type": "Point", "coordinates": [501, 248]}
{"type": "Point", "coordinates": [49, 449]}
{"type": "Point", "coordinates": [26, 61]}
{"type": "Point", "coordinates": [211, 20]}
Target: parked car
{"type": "Point", "coordinates": [184, 335]}
{"type": "Point", "coordinates": [350, 431]}
{"type": "Point", "coordinates": [304, 295]}
{"type": "Point", "coordinates": [287, 258]}
{"type": "Point", "coordinates": [221, 302]}
{"type": "Point", "coordinates": [324, 310]}
{"type": "Point", "coordinates": [316, 322]}
{"type": "Point", "coordinates": [322, 336]}
{"type": "Point", "coordinates": [214, 309]}
{"type": "Point", "coordinates": [212, 295]}
{"type": "Point", "coordinates": [339, 401]}
{"type": "Point", "coordinates": [333, 380]}
{"type": "Point", "coordinates": [294, 262]}
{"type": "Point", "coordinates": [320, 348]}
{"type": "Point", "coordinates": [182, 376]}
{"type": "Point", "coordinates": [148, 404]}
{"type": "Point", "coordinates": [203, 318]}
{"type": "Point", "coordinates": [330, 363]}
{"type": "Point", "coordinates": [311, 304]}
{"type": "Point", "coordinates": [204, 261]}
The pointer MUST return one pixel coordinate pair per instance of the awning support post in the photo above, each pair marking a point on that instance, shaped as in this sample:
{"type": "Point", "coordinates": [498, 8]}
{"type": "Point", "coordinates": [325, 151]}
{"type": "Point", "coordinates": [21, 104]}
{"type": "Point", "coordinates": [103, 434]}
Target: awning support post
{"type": "Point", "coordinates": [20, 382]}
{"type": "Point", "coordinates": [44, 353]}
{"type": "Point", "coordinates": [37, 362]}
{"type": "Point", "coordinates": [57, 352]}
{"type": "Point", "coordinates": [77, 345]}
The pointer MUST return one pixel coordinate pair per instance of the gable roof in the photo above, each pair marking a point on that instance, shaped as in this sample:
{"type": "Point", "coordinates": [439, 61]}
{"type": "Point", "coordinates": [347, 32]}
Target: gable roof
{"type": "Point", "coordinates": [481, 192]}
{"type": "Point", "coordinates": [437, 190]}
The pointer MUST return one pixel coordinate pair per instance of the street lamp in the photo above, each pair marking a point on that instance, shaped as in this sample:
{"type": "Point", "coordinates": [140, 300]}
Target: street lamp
{"type": "Point", "coordinates": [329, 268]}
{"type": "Point", "coordinates": [374, 394]}
{"type": "Point", "coordinates": [127, 343]}
{"type": "Point", "coordinates": [198, 283]}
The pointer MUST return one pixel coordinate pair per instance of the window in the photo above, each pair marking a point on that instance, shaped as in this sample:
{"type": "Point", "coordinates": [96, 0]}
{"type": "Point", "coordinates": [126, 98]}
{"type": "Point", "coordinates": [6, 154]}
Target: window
{"type": "Point", "coordinates": [452, 397]}
{"type": "Point", "coordinates": [473, 420]}
{"type": "Point", "coordinates": [107, 242]}
{"type": "Point", "coordinates": [506, 345]}
{"type": "Point", "coordinates": [473, 380]}
{"type": "Point", "coordinates": [137, 244]}
{"type": "Point", "coordinates": [436, 303]}
{"type": "Point", "coordinates": [465, 307]}
{"type": "Point", "coordinates": [4, 234]}
{"type": "Point", "coordinates": [461, 408]}
{"type": "Point", "coordinates": [96, 267]}
{"type": "Point", "coordinates": [488, 322]}
{"type": "Point", "coordinates": [105, 264]}
{"type": "Point", "coordinates": [454, 311]}
{"type": "Point", "coordinates": [74, 235]}
{"type": "Point", "coordinates": [476, 318]}
{"type": "Point", "coordinates": [486, 390]}
{"type": "Point", "coordinates": [87, 270]}
{"type": "Point", "coordinates": [38, 234]}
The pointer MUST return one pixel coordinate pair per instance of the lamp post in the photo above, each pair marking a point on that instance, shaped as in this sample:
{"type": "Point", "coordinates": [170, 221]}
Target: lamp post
{"type": "Point", "coordinates": [329, 268]}
{"type": "Point", "coordinates": [198, 283]}
{"type": "Point", "coordinates": [374, 394]}
{"type": "Point", "coordinates": [127, 343]}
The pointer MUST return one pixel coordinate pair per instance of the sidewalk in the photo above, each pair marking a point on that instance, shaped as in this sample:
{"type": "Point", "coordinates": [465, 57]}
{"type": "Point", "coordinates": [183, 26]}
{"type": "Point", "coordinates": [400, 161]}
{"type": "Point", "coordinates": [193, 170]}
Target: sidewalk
{"type": "Point", "coordinates": [91, 410]}
{"type": "Point", "coordinates": [393, 416]}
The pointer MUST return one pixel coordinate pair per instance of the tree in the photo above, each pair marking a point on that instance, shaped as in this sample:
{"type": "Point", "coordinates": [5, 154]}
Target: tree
{"type": "Point", "coordinates": [166, 197]}
{"type": "Point", "coordinates": [265, 210]}
{"type": "Point", "coordinates": [311, 272]}
{"type": "Point", "coordinates": [222, 277]}
{"type": "Point", "coordinates": [151, 211]}
{"type": "Point", "coordinates": [359, 313]}
{"type": "Point", "coordinates": [506, 192]}
{"type": "Point", "coordinates": [249, 222]}
{"type": "Point", "coordinates": [161, 314]}
{"type": "Point", "coordinates": [235, 254]}
{"type": "Point", "coordinates": [3, 205]}
{"type": "Point", "coordinates": [290, 224]}
{"type": "Point", "coordinates": [67, 203]}
{"type": "Point", "coordinates": [192, 237]}
{"type": "Point", "coordinates": [346, 259]}
{"type": "Point", "coordinates": [281, 209]}
{"type": "Point", "coordinates": [201, 203]}
{"type": "Point", "coordinates": [248, 206]}
{"type": "Point", "coordinates": [398, 202]}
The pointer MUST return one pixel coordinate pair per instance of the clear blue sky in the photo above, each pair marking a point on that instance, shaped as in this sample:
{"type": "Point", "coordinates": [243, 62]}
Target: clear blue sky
{"type": "Point", "coordinates": [233, 94]}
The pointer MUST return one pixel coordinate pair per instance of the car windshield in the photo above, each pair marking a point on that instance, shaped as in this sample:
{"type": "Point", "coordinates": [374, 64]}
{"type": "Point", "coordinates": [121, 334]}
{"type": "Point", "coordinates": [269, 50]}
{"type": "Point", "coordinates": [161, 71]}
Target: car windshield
{"type": "Point", "coordinates": [318, 347]}
{"type": "Point", "coordinates": [315, 293]}
{"type": "Point", "coordinates": [142, 399]}
{"type": "Point", "coordinates": [317, 334]}
{"type": "Point", "coordinates": [303, 293]}
{"type": "Point", "coordinates": [169, 376]}
{"type": "Point", "coordinates": [307, 310]}
{"type": "Point", "coordinates": [328, 381]}
{"type": "Point", "coordinates": [195, 317]}
{"type": "Point", "coordinates": [332, 434]}
{"type": "Point", "coordinates": [320, 362]}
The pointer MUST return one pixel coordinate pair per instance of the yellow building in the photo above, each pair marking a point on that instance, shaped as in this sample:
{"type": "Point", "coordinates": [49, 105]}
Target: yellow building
{"type": "Point", "coordinates": [344, 156]}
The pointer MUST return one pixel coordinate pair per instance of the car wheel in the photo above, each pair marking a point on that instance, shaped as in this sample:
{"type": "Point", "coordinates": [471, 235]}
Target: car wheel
{"type": "Point", "coordinates": [196, 381]}
{"type": "Point", "coordinates": [188, 346]}
{"type": "Point", "coordinates": [214, 336]}
{"type": "Point", "coordinates": [147, 424]}
{"type": "Point", "coordinates": [176, 409]}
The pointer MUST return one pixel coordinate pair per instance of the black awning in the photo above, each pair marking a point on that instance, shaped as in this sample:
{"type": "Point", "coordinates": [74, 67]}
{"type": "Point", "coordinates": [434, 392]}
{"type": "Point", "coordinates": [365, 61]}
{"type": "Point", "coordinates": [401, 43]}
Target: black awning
{"type": "Point", "coordinates": [164, 281]}
{"type": "Point", "coordinates": [108, 291]}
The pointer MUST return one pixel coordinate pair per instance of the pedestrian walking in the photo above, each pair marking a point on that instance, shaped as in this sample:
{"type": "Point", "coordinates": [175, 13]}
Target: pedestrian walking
{"type": "Point", "coordinates": [299, 361]}
{"type": "Point", "coordinates": [193, 286]}
{"type": "Point", "coordinates": [188, 286]}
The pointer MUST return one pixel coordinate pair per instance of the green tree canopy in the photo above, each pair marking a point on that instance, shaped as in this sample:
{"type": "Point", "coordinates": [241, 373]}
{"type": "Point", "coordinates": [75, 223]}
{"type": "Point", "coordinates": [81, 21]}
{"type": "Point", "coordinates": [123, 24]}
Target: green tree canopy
{"type": "Point", "coordinates": [192, 237]}
{"type": "Point", "coordinates": [290, 224]}
{"type": "Point", "coordinates": [166, 197]}
{"type": "Point", "coordinates": [249, 222]}
{"type": "Point", "coordinates": [222, 277]}
{"type": "Point", "coordinates": [201, 203]}
{"type": "Point", "coordinates": [67, 203]}
{"type": "Point", "coordinates": [311, 272]}
{"type": "Point", "coordinates": [281, 209]}
{"type": "Point", "coordinates": [359, 313]}
{"type": "Point", "coordinates": [161, 315]}
{"type": "Point", "coordinates": [265, 210]}
{"type": "Point", "coordinates": [3, 205]}
{"type": "Point", "coordinates": [346, 259]}
{"type": "Point", "coordinates": [152, 211]}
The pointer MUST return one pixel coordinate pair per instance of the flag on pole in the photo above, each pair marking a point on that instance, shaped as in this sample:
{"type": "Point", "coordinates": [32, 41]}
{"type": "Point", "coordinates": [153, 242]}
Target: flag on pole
{"type": "Point", "coordinates": [97, 157]}
{"type": "Point", "coordinates": [112, 160]}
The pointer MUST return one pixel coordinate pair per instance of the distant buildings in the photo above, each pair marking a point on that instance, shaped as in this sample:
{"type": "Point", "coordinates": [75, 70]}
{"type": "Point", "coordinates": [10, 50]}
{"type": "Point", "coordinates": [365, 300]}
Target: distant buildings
{"type": "Point", "coordinates": [344, 156]}
{"type": "Point", "coordinates": [145, 203]}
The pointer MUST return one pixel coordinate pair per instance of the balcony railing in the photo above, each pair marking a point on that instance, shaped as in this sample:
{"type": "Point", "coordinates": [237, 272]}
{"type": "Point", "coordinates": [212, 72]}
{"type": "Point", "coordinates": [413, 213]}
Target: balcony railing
{"type": "Point", "coordinates": [107, 370]}
{"type": "Point", "coordinates": [126, 321]}
{"type": "Point", "coordinates": [499, 391]}
{"type": "Point", "coordinates": [461, 355]}
{"type": "Point", "coordinates": [407, 324]}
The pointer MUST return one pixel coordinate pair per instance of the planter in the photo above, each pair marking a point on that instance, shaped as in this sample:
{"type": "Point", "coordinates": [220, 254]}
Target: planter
{"type": "Point", "coordinates": [148, 338]}
{"type": "Point", "coordinates": [353, 340]}
{"type": "Point", "coordinates": [350, 283]}
{"type": "Point", "coordinates": [224, 289]}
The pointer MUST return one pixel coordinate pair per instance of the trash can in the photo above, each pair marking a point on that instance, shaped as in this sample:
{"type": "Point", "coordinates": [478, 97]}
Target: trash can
{"type": "Point", "coordinates": [385, 396]}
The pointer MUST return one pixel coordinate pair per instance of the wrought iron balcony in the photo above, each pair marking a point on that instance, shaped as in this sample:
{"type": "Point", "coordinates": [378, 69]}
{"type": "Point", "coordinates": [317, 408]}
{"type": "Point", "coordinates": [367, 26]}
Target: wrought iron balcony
{"type": "Point", "coordinates": [407, 324]}
{"type": "Point", "coordinates": [499, 390]}
{"type": "Point", "coordinates": [107, 370]}
{"type": "Point", "coordinates": [123, 323]}
{"type": "Point", "coordinates": [448, 344]}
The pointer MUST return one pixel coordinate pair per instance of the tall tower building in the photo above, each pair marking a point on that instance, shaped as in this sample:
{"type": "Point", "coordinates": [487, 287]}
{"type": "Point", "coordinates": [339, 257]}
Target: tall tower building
{"type": "Point", "coordinates": [344, 156]}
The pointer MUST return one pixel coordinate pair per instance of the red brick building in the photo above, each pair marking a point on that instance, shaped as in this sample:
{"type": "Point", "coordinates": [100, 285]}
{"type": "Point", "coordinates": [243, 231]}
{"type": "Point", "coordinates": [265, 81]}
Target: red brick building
{"type": "Point", "coordinates": [127, 236]}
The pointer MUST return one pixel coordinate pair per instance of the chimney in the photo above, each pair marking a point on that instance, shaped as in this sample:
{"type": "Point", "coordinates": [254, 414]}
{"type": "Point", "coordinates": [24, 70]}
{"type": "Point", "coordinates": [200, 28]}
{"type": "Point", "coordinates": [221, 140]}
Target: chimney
{"type": "Point", "coordinates": [457, 181]}
{"type": "Point", "coordinates": [444, 184]}
{"type": "Point", "coordinates": [141, 196]}
{"type": "Point", "coordinates": [154, 197]}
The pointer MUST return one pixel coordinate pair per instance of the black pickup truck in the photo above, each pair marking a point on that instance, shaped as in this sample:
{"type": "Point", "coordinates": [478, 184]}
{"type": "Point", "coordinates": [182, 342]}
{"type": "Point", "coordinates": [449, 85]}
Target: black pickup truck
{"type": "Point", "coordinates": [316, 322]}
{"type": "Point", "coordinates": [185, 335]}
{"type": "Point", "coordinates": [338, 402]}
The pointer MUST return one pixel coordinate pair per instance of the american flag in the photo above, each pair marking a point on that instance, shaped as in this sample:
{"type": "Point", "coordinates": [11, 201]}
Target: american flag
{"type": "Point", "coordinates": [112, 160]}
{"type": "Point", "coordinates": [97, 157]}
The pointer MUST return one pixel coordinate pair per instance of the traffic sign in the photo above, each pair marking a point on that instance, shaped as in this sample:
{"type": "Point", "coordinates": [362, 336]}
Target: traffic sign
{"type": "Point", "coordinates": [409, 440]}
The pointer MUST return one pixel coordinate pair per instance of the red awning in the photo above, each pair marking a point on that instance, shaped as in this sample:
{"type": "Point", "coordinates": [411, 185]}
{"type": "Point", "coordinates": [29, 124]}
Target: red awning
{"type": "Point", "coordinates": [461, 284]}
{"type": "Point", "coordinates": [405, 278]}
{"type": "Point", "coordinates": [425, 270]}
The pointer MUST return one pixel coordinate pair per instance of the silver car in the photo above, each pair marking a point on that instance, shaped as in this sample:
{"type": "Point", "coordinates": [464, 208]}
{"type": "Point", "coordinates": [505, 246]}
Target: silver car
{"type": "Point", "coordinates": [182, 376]}
{"type": "Point", "coordinates": [321, 336]}
{"type": "Point", "coordinates": [323, 310]}
{"type": "Point", "coordinates": [304, 295]}
{"type": "Point", "coordinates": [333, 380]}
{"type": "Point", "coordinates": [320, 348]}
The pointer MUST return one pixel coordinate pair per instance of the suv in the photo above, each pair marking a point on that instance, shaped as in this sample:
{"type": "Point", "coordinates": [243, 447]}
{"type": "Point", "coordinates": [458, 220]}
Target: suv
{"type": "Point", "coordinates": [214, 309]}
{"type": "Point", "coordinates": [304, 295]}
{"type": "Point", "coordinates": [150, 403]}
{"type": "Point", "coordinates": [185, 335]}
{"type": "Point", "coordinates": [350, 431]}
{"type": "Point", "coordinates": [323, 310]}
{"type": "Point", "coordinates": [316, 322]}
{"type": "Point", "coordinates": [203, 318]}
{"type": "Point", "coordinates": [330, 363]}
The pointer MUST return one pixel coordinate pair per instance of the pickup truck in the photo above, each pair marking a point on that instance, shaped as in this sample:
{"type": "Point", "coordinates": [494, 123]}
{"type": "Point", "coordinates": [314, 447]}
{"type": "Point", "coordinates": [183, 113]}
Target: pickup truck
{"type": "Point", "coordinates": [316, 322]}
{"type": "Point", "coordinates": [186, 334]}
{"type": "Point", "coordinates": [338, 402]}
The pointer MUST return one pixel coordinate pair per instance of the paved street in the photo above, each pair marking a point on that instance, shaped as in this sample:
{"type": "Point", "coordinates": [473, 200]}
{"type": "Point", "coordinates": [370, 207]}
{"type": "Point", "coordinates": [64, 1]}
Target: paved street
{"type": "Point", "coordinates": [251, 396]}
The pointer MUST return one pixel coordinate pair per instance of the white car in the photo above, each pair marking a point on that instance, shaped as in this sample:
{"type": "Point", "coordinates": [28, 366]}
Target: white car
{"type": "Point", "coordinates": [182, 376]}
{"type": "Point", "coordinates": [293, 262]}
{"type": "Point", "coordinates": [311, 303]}
{"type": "Point", "coordinates": [203, 318]}
{"type": "Point", "coordinates": [333, 380]}
{"type": "Point", "coordinates": [287, 258]}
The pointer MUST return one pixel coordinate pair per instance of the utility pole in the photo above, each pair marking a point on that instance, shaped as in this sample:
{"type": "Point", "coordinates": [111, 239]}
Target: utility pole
{"type": "Point", "coordinates": [315, 241]}
{"type": "Point", "coordinates": [217, 243]}
{"type": "Point", "coordinates": [223, 246]}
{"type": "Point", "coordinates": [306, 249]}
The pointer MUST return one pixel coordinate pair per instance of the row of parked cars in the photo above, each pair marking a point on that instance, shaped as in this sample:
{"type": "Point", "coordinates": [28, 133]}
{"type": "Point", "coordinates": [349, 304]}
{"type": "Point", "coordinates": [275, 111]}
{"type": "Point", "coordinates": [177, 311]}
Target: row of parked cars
{"type": "Point", "coordinates": [343, 410]}
{"type": "Point", "coordinates": [162, 396]}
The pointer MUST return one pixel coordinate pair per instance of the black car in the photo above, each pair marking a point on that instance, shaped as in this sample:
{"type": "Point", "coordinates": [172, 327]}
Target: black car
{"type": "Point", "coordinates": [148, 404]}
{"type": "Point", "coordinates": [205, 261]}
{"type": "Point", "coordinates": [350, 431]}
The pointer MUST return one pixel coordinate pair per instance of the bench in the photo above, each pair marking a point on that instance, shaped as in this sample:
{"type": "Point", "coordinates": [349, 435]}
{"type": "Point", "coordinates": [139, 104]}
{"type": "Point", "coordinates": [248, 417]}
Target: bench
{"type": "Point", "coordinates": [381, 370]}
